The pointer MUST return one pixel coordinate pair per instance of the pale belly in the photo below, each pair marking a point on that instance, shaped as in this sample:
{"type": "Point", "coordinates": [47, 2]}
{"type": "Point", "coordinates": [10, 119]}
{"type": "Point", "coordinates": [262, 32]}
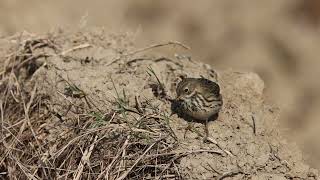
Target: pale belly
{"type": "Point", "coordinates": [202, 115]}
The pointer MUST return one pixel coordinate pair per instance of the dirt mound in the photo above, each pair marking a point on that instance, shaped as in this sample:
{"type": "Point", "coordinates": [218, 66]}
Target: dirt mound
{"type": "Point", "coordinates": [88, 105]}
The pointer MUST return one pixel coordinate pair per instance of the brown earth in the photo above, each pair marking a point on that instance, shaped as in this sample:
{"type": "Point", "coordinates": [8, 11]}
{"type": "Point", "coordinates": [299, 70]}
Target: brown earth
{"type": "Point", "coordinates": [88, 104]}
{"type": "Point", "coordinates": [279, 40]}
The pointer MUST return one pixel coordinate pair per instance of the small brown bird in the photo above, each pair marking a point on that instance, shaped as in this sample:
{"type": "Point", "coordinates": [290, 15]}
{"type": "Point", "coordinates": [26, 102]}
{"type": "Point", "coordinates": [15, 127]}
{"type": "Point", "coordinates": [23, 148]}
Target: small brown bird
{"type": "Point", "coordinates": [200, 99]}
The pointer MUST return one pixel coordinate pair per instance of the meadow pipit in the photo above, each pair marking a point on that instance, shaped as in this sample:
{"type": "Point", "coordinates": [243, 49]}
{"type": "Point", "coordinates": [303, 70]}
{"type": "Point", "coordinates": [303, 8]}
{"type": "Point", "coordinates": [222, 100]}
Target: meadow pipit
{"type": "Point", "coordinates": [200, 99]}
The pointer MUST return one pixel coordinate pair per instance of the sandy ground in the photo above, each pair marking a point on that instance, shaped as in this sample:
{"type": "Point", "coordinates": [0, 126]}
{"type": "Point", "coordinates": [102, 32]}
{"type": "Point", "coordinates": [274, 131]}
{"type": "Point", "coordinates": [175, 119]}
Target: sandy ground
{"type": "Point", "coordinates": [279, 40]}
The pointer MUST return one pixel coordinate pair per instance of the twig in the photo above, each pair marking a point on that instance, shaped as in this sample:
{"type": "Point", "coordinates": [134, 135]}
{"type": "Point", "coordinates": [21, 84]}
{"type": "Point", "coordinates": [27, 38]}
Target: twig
{"type": "Point", "coordinates": [138, 104]}
{"type": "Point", "coordinates": [254, 124]}
{"type": "Point", "coordinates": [212, 169]}
{"type": "Point", "coordinates": [169, 60]}
{"type": "Point", "coordinates": [155, 60]}
{"type": "Point", "coordinates": [213, 141]}
{"type": "Point", "coordinates": [82, 46]}
{"type": "Point", "coordinates": [32, 57]}
{"type": "Point", "coordinates": [122, 162]}
{"type": "Point", "coordinates": [176, 169]}
{"type": "Point", "coordinates": [167, 176]}
{"type": "Point", "coordinates": [230, 174]}
{"type": "Point", "coordinates": [148, 48]}
{"type": "Point", "coordinates": [181, 154]}
{"type": "Point", "coordinates": [160, 89]}
{"type": "Point", "coordinates": [2, 117]}
{"type": "Point", "coordinates": [114, 87]}
{"type": "Point", "coordinates": [159, 45]}
{"type": "Point", "coordinates": [155, 75]}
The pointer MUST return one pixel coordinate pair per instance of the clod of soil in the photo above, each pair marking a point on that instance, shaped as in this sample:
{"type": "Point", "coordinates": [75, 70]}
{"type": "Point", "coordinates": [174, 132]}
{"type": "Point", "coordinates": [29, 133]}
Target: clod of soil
{"type": "Point", "coordinates": [88, 105]}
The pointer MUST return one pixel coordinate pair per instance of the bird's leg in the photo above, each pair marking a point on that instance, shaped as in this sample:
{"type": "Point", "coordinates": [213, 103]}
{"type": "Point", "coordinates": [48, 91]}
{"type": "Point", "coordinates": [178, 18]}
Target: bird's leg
{"type": "Point", "coordinates": [206, 130]}
{"type": "Point", "coordinates": [188, 128]}
{"type": "Point", "coordinates": [206, 136]}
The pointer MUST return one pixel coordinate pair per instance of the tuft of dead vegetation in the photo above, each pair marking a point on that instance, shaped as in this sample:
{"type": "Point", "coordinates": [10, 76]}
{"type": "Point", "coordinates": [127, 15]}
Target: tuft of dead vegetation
{"type": "Point", "coordinates": [93, 143]}
{"type": "Point", "coordinates": [100, 144]}
{"type": "Point", "coordinates": [86, 106]}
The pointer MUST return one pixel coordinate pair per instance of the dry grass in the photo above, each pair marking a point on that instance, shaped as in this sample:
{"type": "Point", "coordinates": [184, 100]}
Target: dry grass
{"type": "Point", "coordinates": [102, 145]}
{"type": "Point", "coordinates": [53, 126]}
{"type": "Point", "coordinates": [93, 144]}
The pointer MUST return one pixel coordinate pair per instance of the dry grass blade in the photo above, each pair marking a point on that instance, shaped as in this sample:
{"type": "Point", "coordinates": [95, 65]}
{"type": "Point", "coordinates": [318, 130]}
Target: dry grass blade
{"type": "Point", "coordinates": [230, 174]}
{"type": "Point", "coordinates": [149, 48]}
{"type": "Point", "coordinates": [159, 45]}
{"type": "Point", "coordinates": [26, 121]}
{"type": "Point", "coordinates": [125, 144]}
{"type": "Point", "coordinates": [125, 174]}
{"type": "Point", "coordinates": [2, 118]}
{"type": "Point", "coordinates": [25, 170]}
{"type": "Point", "coordinates": [85, 159]}
{"type": "Point", "coordinates": [82, 46]}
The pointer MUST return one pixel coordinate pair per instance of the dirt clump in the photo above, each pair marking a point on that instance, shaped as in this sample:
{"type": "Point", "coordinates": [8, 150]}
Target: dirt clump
{"type": "Point", "coordinates": [89, 105]}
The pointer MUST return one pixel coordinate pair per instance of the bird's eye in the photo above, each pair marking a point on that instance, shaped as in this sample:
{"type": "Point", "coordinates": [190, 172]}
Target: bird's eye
{"type": "Point", "coordinates": [186, 90]}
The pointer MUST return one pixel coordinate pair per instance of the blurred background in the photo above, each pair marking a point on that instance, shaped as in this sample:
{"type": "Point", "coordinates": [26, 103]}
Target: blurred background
{"type": "Point", "coordinates": [278, 39]}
